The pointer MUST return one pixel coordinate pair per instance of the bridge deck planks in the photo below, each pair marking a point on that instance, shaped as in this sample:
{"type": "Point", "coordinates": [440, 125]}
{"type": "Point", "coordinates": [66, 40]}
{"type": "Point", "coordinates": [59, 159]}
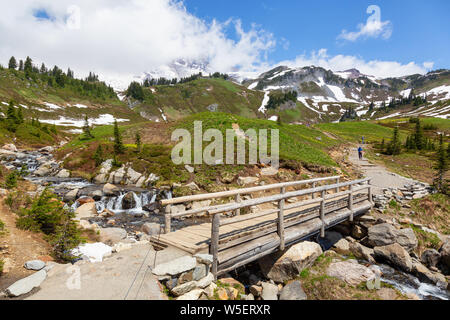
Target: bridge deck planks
{"type": "Point", "coordinates": [195, 239]}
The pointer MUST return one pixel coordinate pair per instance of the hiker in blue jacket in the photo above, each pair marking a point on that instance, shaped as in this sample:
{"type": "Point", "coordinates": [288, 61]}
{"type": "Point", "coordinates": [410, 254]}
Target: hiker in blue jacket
{"type": "Point", "coordinates": [360, 152]}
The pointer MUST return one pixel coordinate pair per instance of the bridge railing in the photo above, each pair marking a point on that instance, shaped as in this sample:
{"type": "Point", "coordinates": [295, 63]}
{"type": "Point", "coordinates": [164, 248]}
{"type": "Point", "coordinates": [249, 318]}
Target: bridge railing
{"type": "Point", "coordinates": [168, 203]}
{"type": "Point", "coordinates": [281, 198]}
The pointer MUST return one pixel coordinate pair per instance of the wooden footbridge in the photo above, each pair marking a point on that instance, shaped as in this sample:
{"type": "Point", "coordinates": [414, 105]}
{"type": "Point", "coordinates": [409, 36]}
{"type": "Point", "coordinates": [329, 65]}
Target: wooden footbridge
{"type": "Point", "coordinates": [282, 214]}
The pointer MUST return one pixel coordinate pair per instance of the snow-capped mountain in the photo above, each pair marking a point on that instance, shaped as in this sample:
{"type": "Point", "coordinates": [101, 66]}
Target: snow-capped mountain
{"type": "Point", "coordinates": [180, 68]}
{"type": "Point", "coordinates": [327, 94]}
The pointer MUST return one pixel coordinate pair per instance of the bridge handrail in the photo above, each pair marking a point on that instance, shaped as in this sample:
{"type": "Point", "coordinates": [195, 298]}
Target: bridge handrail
{"type": "Point", "coordinates": [230, 193]}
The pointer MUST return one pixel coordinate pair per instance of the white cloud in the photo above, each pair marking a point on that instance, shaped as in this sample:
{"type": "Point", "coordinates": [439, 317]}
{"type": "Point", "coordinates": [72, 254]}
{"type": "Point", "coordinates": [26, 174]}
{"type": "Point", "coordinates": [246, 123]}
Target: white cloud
{"type": "Point", "coordinates": [125, 37]}
{"type": "Point", "coordinates": [377, 68]}
{"type": "Point", "coordinates": [373, 28]}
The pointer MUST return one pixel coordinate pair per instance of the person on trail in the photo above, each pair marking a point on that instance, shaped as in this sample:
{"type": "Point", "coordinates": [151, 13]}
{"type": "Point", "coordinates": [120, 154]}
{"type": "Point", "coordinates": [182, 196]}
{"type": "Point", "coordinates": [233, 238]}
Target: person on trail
{"type": "Point", "coordinates": [360, 153]}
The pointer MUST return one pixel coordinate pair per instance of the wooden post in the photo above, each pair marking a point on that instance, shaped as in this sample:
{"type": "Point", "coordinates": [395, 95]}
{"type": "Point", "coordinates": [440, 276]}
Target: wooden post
{"type": "Point", "coordinates": [237, 199]}
{"type": "Point", "coordinates": [215, 229]}
{"type": "Point", "coordinates": [168, 218]}
{"type": "Point", "coordinates": [281, 220]}
{"type": "Point", "coordinates": [350, 202]}
{"type": "Point", "coordinates": [322, 215]}
{"type": "Point", "coordinates": [313, 195]}
{"type": "Point", "coordinates": [337, 182]}
{"type": "Point", "coordinates": [370, 192]}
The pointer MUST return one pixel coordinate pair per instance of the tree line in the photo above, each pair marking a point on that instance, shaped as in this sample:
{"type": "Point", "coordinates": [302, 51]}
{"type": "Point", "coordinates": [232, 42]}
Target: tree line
{"type": "Point", "coordinates": [57, 78]}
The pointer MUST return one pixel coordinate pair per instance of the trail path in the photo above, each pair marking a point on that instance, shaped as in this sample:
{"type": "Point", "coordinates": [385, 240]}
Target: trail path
{"type": "Point", "coordinates": [123, 276]}
{"type": "Point", "coordinates": [381, 177]}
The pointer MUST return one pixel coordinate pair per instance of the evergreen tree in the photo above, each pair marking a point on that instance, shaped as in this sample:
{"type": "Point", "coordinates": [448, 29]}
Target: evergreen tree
{"type": "Point", "coordinates": [43, 69]}
{"type": "Point", "coordinates": [135, 90]}
{"type": "Point", "coordinates": [19, 117]}
{"type": "Point", "coordinates": [98, 155]}
{"type": "Point", "coordinates": [12, 63]}
{"type": "Point", "coordinates": [441, 168]}
{"type": "Point", "coordinates": [11, 112]}
{"type": "Point", "coordinates": [87, 129]}
{"type": "Point", "coordinates": [394, 147]}
{"type": "Point", "coordinates": [418, 136]}
{"type": "Point", "coordinates": [138, 142]}
{"type": "Point", "coordinates": [118, 145]}
{"type": "Point", "coordinates": [21, 65]}
{"type": "Point", "coordinates": [28, 67]}
{"type": "Point", "coordinates": [371, 106]}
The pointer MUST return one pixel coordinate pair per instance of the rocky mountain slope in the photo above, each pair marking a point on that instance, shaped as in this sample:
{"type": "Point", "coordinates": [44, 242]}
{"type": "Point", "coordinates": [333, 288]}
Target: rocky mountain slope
{"type": "Point", "coordinates": [324, 96]}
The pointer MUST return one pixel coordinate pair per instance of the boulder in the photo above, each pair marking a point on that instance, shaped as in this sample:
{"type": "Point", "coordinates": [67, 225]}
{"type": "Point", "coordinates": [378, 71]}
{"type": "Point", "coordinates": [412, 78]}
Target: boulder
{"type": "Point", "coordinates": [27, 284]}
{"type": "Point", "coordinates": [133, 176]}
{"type": "Point", "coordinates": [256, 290]}
{"type": "Point", "coordinates": [184, 288]}
{"type": "Point", "coordinates": [85, 211]}
{"type": "Point", "coordinates": [206, 281]}
{"type": "Point", "coordinates": [445, 253]}
{"type": "Point", "coordinates": [97, 195]}
{"type": "Point", "coordinates": [287, 265]}
{"type": "Point", "coordinates": [191, 295]}
{"type": "Point", "coordinates": [395, 255]}
{"type": "Point", "coordinates": [247, 180]}
{"type": "Point", "coordinates": [362, 252]}
{"type": "Point", "coordinates": [269, 171]}
{"type": "Point", "coordinates": [269, 291]}
{"type": "Point", "coordinates": [176, 267]}
{"type": "Point", "coordinates": [101, 178]}
{"type": "Point", "coordinates": [204, 258]}
{"type": "Point", "coordinates": [342, 247]}
{"type": "Point", "coordinates": [210, 290]}
{"type": "Point", "coordinates": [85, 200]}
{"type": "Point", "coordinates": [200, 272]}
{"type": "Point", "coordinates": [151, 207]}
{"type": "Point", "coordinates": [386, 234]}
{"type": "Point", "coordinates": [331, 238]}
{"type": "Point", "coordinates": [193, 186]}
{"type": "Point", "coordinates": [349, 272]}
{"type": "Point", "coordinates": [64, 173]}
{"type": "Point", "coordinates": [358, 232]}
{"type": "Point", "coordinates": [111, 236]}
{"type": "Point", "coordinates": [35, 265]}
{"type": "Point", "coordinates": [48, 149]}
{"type": "Point", "coordinates": [10, 147]}
{"type": "Point", "coordinates": [426, 275]}
{"type": "Point", "coordinates": [430, 258]}
{"type": "Point", "coordinates": [151, 229]}
{"type": "Point", "coordinates": [293, 291]}
{"type": "Point", "coordinates": [71, 195]}
{"type": "Point", "coordinates": [128, 201]}
{"type": "Point", "coordinates": [43, 170]}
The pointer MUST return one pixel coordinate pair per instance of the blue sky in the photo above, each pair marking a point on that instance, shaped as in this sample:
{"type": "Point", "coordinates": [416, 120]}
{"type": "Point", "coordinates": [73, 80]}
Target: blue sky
{"type": "Point", "coordinates": [420, 29]}
{"type": "Point", "coordinates": [124, 38]}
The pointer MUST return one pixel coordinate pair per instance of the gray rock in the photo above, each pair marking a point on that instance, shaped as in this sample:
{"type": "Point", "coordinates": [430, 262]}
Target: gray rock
{"type": "Point", "coordinates": [97, 195]}
{"type": "Point", "coordinates": [206, 281]}
{"type": "Point", "coordinates": [386, 234]}
{"type": "Point", "coordinates": [445, 253]}
{"type": "Point", "coordinates": [293, 291]}
{"type": "Point", "coordinates": [192, 295]}
{"type": "Point", "coordinates": [87, 210]}
{"type": "Point", "coordinates": [27, 284]}
{"type": "Point", "coordinates": [176, 267]}
{"type": "Point", "coordinates": [34, 265]}
{"type": "Point", "coordinates": [184, 288]}
{"type": "Point", "coordinates": [269, 291]}
{"type": "Point", "coordinates": [426, 275]}
{"type": "Point", "coordinates": [200, 272]}
{"type": "Point", "coordinates": [247, 180]}
{"type": "Point", "coordinates": [128, 201]}
{"type": "Point", "coordinates": [64, 173]}
{"type": "Point", "coordinates": [151, 229]}
{"type": "Point", "coordinates": [287, 265]}
{"type": "Point", "coordinates": [204, 258]}
{"type": "Point", "coordinates": [71, 195]}
{"type": "Point", "coordinates": [101, 178]}
{"type": "Point", "coordinates": [395, 255]}
{"type": "Point", "coordinates": [351, 273]}
{"type": "Point", "coordinates": [362, 252]}
{"type": "Point", "coordinates": [189, 168]}
{"type": "Point", "coordinates": [342, 247]}
{"type": "Point", "coordinates": [430, 258]}
{"type": "Point", "coordinates": [110, 190]}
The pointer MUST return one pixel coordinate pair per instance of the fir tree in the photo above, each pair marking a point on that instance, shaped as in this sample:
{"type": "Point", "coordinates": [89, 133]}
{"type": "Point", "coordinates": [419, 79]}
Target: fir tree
{"type": "Point", "coordinates": [394, 147]}
{"type": "Point", "coordinates": [11, 112]}
{"type": "Point", "coordinates": [87, 129]}
{"type": "Point", "coordinates": [21, 65]}
{"type": "Point", "coordinates": [118, 145]}
{"type": "Point", "coordinates": [98, 155]}
{"type": "Point", "coordinates": [12, 63]}
{"type": "Point", "coordinates": [28, 67]}
{"type": "Point", "coordinates": [138, 142]}
{"type": "Point", "coordinates": [43, 69]}
{"type": "Point", "coordinates": [418, 136]}
{"type": "Point", "coordinates": [441, 168]}
{"type": "Point", "coordinates": [19, 117]}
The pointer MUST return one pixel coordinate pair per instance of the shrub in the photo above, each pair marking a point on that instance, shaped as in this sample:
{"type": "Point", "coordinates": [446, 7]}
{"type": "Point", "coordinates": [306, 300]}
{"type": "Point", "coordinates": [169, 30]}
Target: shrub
{"type": "Point", "coordinates": [11, 180]}
{"type": "Point", "coordinates": [1, 266]}
{"type": "Point", "coordinates": [48, 215]}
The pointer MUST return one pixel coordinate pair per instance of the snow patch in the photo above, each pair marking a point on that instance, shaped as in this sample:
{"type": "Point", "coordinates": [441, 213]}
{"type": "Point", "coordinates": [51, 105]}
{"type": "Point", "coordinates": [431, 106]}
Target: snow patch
{"type": "Point", "coordinates": [273, 118]}
{"type": "Point", "coordinates": [81, 106]}
{"type": "Point", "coordinates": [94, 251]}
{"type": "Point", "coordinates": [52, 106]}
{"type": "Point", "coordinates": [253, 85]}
{"type": "Point", "coordinates": [264, 103]}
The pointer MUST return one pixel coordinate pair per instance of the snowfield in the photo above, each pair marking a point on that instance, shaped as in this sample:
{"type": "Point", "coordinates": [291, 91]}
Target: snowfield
{"type": "Point", "coordinates": [103, 119]}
